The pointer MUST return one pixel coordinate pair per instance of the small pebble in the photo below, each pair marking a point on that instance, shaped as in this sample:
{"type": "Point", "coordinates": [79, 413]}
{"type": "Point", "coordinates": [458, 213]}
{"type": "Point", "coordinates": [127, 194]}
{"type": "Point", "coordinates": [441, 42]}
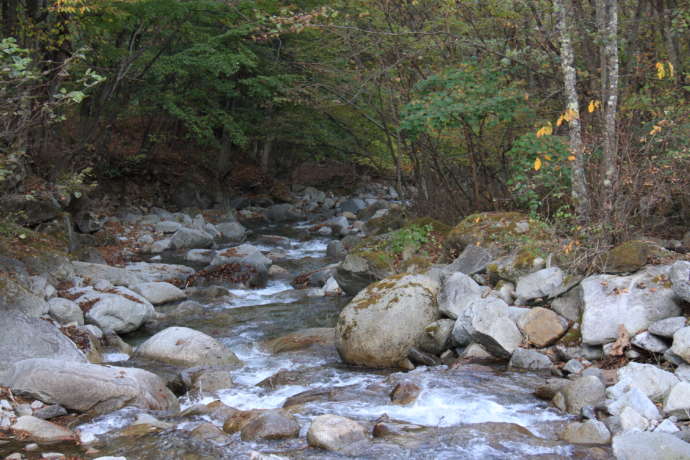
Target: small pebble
{"type": "Point", "coordinates": [31, 447]}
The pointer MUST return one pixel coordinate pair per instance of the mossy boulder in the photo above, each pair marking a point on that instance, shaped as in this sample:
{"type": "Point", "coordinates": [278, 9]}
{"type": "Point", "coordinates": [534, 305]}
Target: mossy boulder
{"type": "Point", "coordinates": [393, 220]}
{"type": "Point", "coordinates": [382, 323]}
{"type": "Point", "coordinates": [398, 251]}
{"type": "Point", "coordinates": [632, 255]}
{"type": "Point", "coordinates": [522, 244]}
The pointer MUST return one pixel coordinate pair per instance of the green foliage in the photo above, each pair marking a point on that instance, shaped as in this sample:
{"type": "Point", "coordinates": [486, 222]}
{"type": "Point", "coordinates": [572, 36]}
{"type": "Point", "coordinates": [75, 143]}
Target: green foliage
{"type": "Point", "coordinates": [530, 189]}
{"type": "Point", "coordinates": [410, 237]}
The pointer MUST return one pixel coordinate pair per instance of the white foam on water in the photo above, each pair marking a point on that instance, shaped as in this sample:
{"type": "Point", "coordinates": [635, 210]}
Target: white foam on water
{"type": "Point", "coordinates": [114, 357]}
{"type": "Point", "coordinates": [89, 432]}
{"type": "Point", "coordinates": [263, 296]}
{"type": "Point", "coordinates": [451, 407]}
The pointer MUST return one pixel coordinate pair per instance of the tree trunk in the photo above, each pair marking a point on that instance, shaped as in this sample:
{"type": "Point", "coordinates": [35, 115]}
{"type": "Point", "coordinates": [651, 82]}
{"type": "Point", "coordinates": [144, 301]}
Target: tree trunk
{"type": "Point", "coordinates": [580, 195]}
{"type": "Point", "coordinates": [609, 164]}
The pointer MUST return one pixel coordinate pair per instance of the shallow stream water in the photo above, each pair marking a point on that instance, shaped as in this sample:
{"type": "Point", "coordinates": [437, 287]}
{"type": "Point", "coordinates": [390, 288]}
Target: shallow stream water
{"type": "Point", "coordinates": [466, 412]}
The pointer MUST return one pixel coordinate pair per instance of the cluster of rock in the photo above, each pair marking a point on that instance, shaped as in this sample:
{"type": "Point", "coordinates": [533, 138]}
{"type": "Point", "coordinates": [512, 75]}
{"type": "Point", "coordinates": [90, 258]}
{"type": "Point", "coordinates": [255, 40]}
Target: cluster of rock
{"type": "Point", "coordinates": [485, 306]}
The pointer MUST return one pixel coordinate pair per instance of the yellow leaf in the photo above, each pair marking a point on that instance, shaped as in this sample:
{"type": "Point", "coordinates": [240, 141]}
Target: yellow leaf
{"type": "Point", "coordinates": [670, 70]}
{"type": "Point", "coordinates": [570, 115]}
{"type": "Point", "coordinates": [560, 120]}
{"type": "Point", "coordinates": [660, 70]}
{"type": "Point", "coordinates": [548, 157]}
{"type": "Point", "coordinates": [545, 130]}
{"type": "Point", "coordinates": [571, 157]}
{"type": "Point", "coordinates": [655, 130]}
{"type": "Point", "coordinates": [593, 105]}
{"type": "Point", "coordinates": [537, 164]}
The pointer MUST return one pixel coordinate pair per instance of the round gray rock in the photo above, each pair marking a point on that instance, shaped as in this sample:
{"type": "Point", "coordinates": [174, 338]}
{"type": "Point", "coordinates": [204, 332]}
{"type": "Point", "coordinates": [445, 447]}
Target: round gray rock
{"type": "Point", "coordinates": [183, 346]}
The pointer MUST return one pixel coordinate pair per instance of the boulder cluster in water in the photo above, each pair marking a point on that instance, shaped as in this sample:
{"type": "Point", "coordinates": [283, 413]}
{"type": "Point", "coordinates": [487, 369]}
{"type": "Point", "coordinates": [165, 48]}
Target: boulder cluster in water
{"type": "Point", "coordinates": [614, 347]}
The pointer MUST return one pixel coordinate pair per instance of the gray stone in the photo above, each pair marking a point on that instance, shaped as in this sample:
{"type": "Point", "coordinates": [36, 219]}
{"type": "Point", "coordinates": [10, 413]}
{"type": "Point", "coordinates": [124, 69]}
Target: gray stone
{"type": "Point", "coordinates": [90, 387]}
{"type": "Point", "coordinates": [573, 366]}
{"type": "Point", "coordinates": [182, 346]}
{"type": "Point", "coordinates": [569, 305]}
{"type": "Point", "coordinates": [41, 431]}
{"type": "Point", "coordinates": [635, 301]}
{"type": "Point", "coordinates": [51, 411]}
{"type": "Point", "coordinates": [284, 212]}
{"type": "Point", "coordinates": [486, 321]}
{"type": "Point", "coordinates": [529, 359]}
{"type": "Point", "coordinates": [652, 381]}
{"type": "Point", "coordinates": [272, 424]}
{"type": "Point", "coordinates": [380, 325]}
{"type": "Point", "coordinates": [340, 225]}
{"type": "Point", "coordinates": [336, 433]}
{"type": "Point", "coordinates": [23, 337]}
{"type": "Point", "coordinates": [474, 351]}
{"type": "Point", "coordinates": [473, 259]}
{"type": "Point", "coordinates": [588, 432]}
{"type": "Point", "coordinates": [30, 210]}
{"type": "Point", "coordinates": [204, 256]}
{"type": "Point", "coordinates": [585, 391]}
{"type": "Point", "coordinates": [683, 372]}
{"type": "Point", "coordinates": [635, 399]}
{"type": "Point", "coordinates": [167, 226]}
{"type": "Point", "coordinates": [437, 336]}
{"type": "Point", "coordinates": [190, 238]}
{"type": "Point", "coordinates": [66, 311]}
{"type": "Point", "coordinates": [505, 290]}
{"type": "Point", "coordinates": [630, 420]}
{"type": "Point", "coordinates": [667, 327]}
{"type": "Point", "coordinates": [243, 254]}
{"type": "Point", "coordinates": [159, 293]}
{"type": "Point", "coordinates": [667, 426]}
{"type": "Point", "coordinates": [457, 291]}
{"type": "Point", "coordinates": [160, 246]}
{"type": "Point", "coordinates": [150, 273]}
{"type": "Point", "coordinates": [517, 313]}
{"type": "Point", "coordinates": [681, 344]}
{"type": "Point", "coordinates": [119, 310]}
{"type": "Point", "coordinates": [355, 273]}
{"type": "Point", "coordinates": [336, 250]}
{"type": "Point", "coordinates": [543, 283]}
{"type": "Point", "coordinates": [680, 277]}
{"type": "Point", "coordinates": [677, 402]}
{"type": "Point", "coordinates": [115, 275]}
{"type": "Point", "coordinates": [542, 327]}
{"type": "Point", "coordinates": [352, 205]}
{"type": "Point", "coordinates": [649, 342]}
{"type": "Point", "coordinates": [232, 232]}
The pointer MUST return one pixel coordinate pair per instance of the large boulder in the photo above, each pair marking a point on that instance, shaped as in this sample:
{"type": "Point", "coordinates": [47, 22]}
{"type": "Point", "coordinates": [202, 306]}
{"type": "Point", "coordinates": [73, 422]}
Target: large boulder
{"type": "Point", "coordinates": [182, 346]}
{"type": "Point", "coordinates": [681, 343]}
{"type": "Point", "coordinates": [243, 254]}
{"type": "Point", "coordinates": [677, 402]}
{"type": "Point", "coordinates": [64, 311]}
{"type": "Point", "coordinates": [457, 292]}
{"type": "Point", "coordinates": [272, 424]}
{"type": "Point", "coordinates": [23, 337]}
{"type": "Point", "coordinates": [190, 238]}
{"type": "Point", "coordinates": [89, 387]}
{"type": "Point", "coordinates": [15, 295]}
{"type": "Point", "coordinates": [638, 445]}
{"type": "Point", "coordinates": [680, 278]}
{"type": "Point", "coordinates": [487, 322]}
{"type": "Point", "coordinates": [540, 284]}
{"type": "Point", "coordinates": [587, 432]}
{"type": "Point", "coordinates": [635, 302]}
{"type": "Point", "coordinates": [152, 273]}
{"type": "Point", "coordinates": [655, 383]}
{"type": "Point", "coordinates": [473, 259]}
{"type": "Point", "coordinates": [159, 293]}
{"type": "Point", "coordinates": [118, 310]}
{"type": "Point", "coordinates": [284, 212]}
{"type": "Point", "coordinates": [31, 209]}
{"type": "Point", "coordinates": [115, 275]}
{"type": "Point", "coordinates": [380, 325]}
{"type": "Point", "coordinates": [232, 232]}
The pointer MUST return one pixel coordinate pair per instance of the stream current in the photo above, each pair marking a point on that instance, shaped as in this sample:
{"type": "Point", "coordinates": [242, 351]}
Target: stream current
{"type": "Point", "coordinates": [464, 412]}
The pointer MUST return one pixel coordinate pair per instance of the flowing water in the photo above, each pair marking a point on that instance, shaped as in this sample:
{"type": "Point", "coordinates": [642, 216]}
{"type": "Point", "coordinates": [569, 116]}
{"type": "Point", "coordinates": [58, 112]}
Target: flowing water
{"type": "Point", "coordinates": [467, 412]}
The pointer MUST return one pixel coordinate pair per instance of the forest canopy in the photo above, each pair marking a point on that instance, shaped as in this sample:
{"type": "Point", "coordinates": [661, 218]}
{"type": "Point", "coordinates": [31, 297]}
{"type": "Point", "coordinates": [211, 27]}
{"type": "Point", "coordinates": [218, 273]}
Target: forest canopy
{"type": "Point", "coordinates": [574, 110]}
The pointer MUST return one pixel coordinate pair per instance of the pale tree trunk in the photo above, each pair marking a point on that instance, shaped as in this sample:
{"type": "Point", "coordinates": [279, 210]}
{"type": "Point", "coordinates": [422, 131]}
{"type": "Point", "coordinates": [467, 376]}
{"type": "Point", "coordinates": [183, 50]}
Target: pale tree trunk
{"type": "Point", "coordinates": [580, 195]}
{"type": "Point", "coordinates": [608, 11]}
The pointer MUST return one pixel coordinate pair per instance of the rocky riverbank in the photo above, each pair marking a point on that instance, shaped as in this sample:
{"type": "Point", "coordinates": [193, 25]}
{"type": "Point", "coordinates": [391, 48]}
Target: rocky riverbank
{"type": "Point", "coordinates": [98, 354]}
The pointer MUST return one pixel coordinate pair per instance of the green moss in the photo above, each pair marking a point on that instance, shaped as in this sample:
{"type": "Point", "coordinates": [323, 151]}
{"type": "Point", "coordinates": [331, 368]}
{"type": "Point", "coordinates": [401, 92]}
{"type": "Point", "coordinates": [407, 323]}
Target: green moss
{"type": "Point", "coordinates": [631, 256]}
{"type": "Point", "coordinates": [436, 226]}
{"type": "Point", "coordinates": [421, 263]}
{"type": "Point", "coordinates": [572, 338]}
